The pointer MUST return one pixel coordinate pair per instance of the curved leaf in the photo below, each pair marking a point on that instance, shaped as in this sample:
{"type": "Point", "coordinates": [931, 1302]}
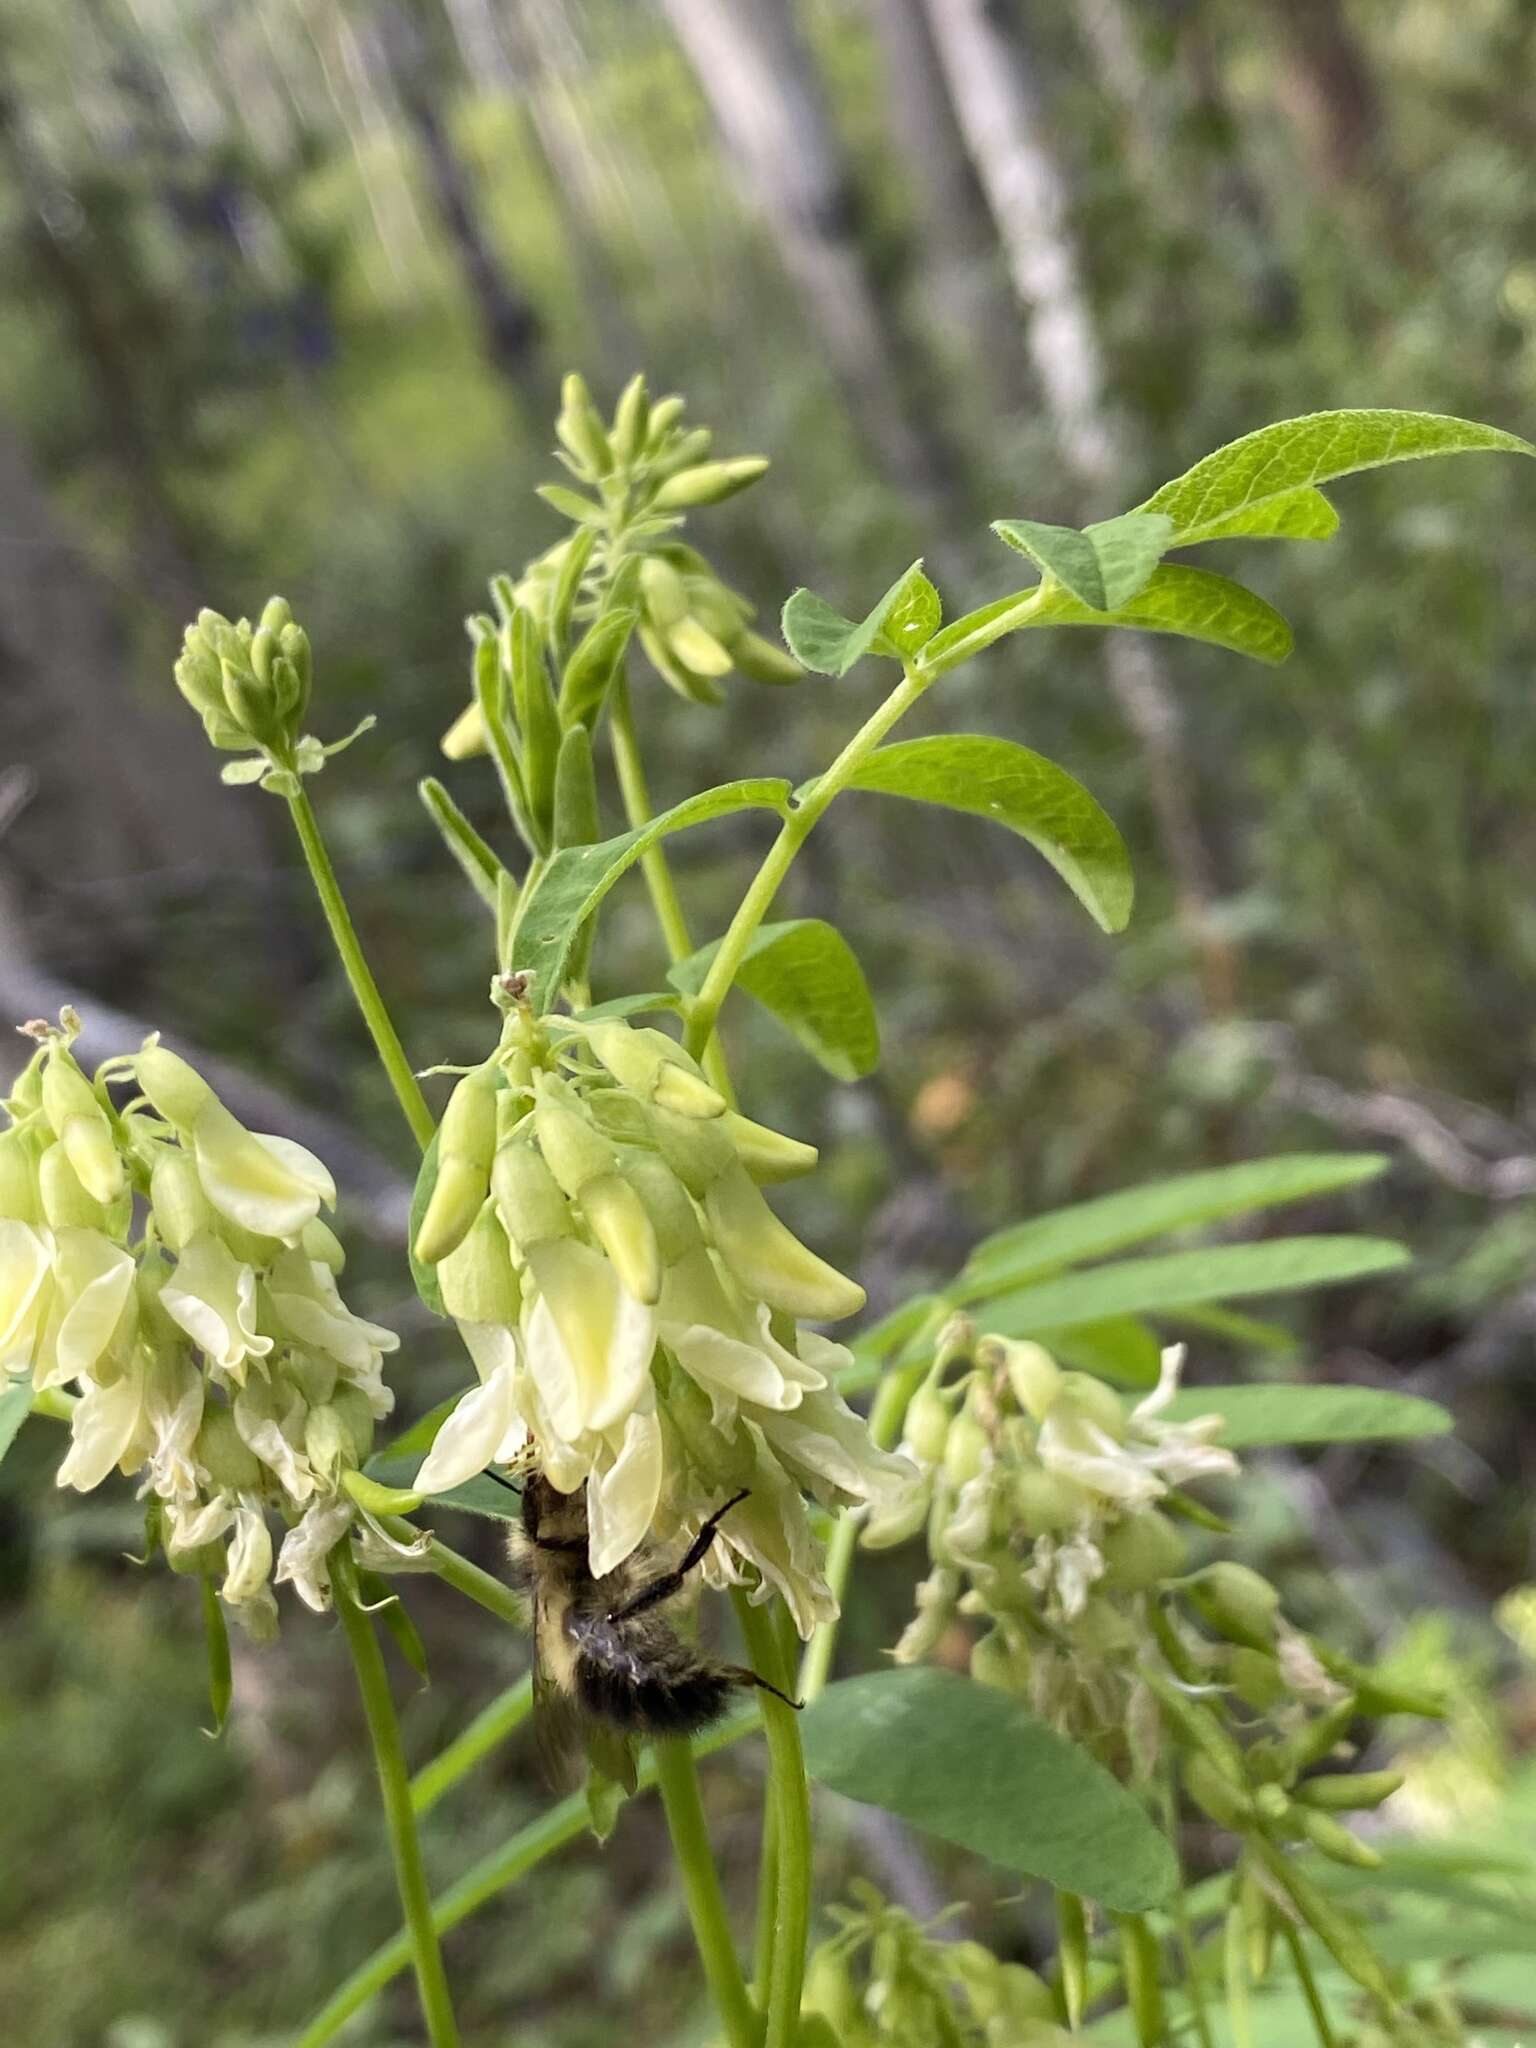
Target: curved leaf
{"type": "Point", "coordinates": [992, 778]}
{"type": "Point", "coordinates": [822, 639]}
{"type": "Point", "coordinates": [1223, 1272]}
{"type": "Point", "coordinates": [578, 879]}
{"type": "Point", "coordinates": [973, 1766]}
{"type": "Point", "coordinates": [1105, 565]}
{"type": "Point", "coordinates": [1244, 480]}
{"type": "Point", "coordinates": [1193, 602]}
{"type": "Point", "coordinates": [1302, 514]}
{"type": "Point", "coordinates": [424, 1276]}
{"type": "Point", "coordinates": [804, 972]}
{"type": "Point", "coordinates": [1089, 1230]}
{"type": "Point", "coordinates": [1291, 1414]}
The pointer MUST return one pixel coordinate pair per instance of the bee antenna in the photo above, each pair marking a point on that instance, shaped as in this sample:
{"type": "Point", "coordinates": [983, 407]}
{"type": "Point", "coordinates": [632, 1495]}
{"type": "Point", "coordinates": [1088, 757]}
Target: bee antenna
{"type": "Point", "coordinates": [510, 1484]}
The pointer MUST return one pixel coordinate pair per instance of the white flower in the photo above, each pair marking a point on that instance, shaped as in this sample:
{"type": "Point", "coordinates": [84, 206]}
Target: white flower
{"type": "Point", "coordinates": [474, 1435]}
{"type": "Point", "coordinates": [271, 1422]}
{"type": "Point", "coordinates": [623, 1489]}
{"type": "Point", "coordinates": [770, 1530]}
{"type": "Point", "coordinates": [1065, 1570]}
{"type": "Point", "coordinates": [93, 1280]}
{"type": "Point", "coordinates": [190, 1524]}
{"type": "Point", "coordinates": [728, 1345]}
{"type": "Point", "coordinates": [26, 1274]}
{"type": "Point", "coordinates": [248, 1563]}
{"type": "Point", "coordinates": [305, 1295]}
{"type": "Point", "coordinates": [1155, 1456]}
{"type": "Point", "coordinates": [212, 1296]}
{"type": "Point", "coordinates": [104, 1430]}
{"type": "Point", "coordinates": [588, 1342]}
{"type": "Point", "coordinates": [266, 1184]}
{"type": "Point", "coordinates": [304, 1560]}
{"type": "Point", "coordinates": [173, 1411]}
{"type": "Point", "coordinates": [829, 1448]}
{"type": "Point", "coordinates": [1183, 1450]}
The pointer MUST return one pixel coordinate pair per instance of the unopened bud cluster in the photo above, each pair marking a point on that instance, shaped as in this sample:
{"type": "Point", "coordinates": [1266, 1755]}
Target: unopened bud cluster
{"type": "Point", "coordinates": [634, 1306]}
{"type": "Point", "coordinates": [883, 1981]}
{"type": "Point", "coordinates": [624, 572]}
{"type": "Point", "coordinates": [1056, 1522]}
{"type": "Point", "coordinates": [250, 685]}
{"type": "Point", "coordinates": [171, 1268]}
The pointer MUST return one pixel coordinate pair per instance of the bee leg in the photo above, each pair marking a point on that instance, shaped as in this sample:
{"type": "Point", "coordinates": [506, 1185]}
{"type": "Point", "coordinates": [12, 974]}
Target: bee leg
{"type": "Point", "coordinates": [667, 1583]}
{"type": "Point", "coordinates": [743, 1674]}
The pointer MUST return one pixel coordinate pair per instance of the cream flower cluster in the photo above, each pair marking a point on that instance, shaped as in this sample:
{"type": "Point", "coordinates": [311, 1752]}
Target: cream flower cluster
{"type": "Point", "coordinates": [1045, 1497]}
{"type": "Point", "coordinates": [171, 1269]}
{"type": "Point", "coordinates": [633, 1307]}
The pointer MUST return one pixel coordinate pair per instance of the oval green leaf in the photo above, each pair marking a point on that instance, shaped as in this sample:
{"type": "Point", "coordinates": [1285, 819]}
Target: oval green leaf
{"type": "Point", "coordinates": [971, 1765]}
{"type": "Point", "coordinates": [1091, 1230]}
{"type": "Point", "coordinates": [1253, 1416]}
{"type": "Point", "coordinates": [1105, 565]}
{"type": "Point", "coordinates": [996, 779]}
{"type": "Point", "coordinates": [804, 973]}
{"type": "Point", "coordinates": [1244, 480]}
{"type": "Point", "coordinates": [1225, 1272]}
{"type": "Point", "coordinates": [822, 639]}
{"type": "Point", "coordinates": [1194, 603]}
{"type": "Point", "coordinates": [577, 880]}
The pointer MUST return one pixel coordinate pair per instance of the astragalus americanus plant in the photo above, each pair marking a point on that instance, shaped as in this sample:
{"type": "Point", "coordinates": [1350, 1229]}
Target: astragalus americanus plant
{"type": "Point", "coordinates": [652, 1399]}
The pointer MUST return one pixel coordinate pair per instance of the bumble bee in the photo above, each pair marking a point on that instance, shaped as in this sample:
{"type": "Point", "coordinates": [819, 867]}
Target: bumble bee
{"type": "Point", "coordinates": [602, 1646]}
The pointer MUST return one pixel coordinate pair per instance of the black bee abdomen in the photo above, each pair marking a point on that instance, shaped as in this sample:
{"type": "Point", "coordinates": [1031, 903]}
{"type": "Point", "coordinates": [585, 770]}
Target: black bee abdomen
{"type": "Point", "coordinates": [647, 1682]}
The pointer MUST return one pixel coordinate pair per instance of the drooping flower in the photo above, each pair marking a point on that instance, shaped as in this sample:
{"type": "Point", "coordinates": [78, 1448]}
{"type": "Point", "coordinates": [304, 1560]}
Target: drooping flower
{"type": "Point", "coordinates": [212, 1296]}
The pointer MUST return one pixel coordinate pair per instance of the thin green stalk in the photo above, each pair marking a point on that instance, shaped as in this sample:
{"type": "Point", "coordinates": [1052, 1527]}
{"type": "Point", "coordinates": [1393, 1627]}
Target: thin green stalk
{"type": "Point", "coordinates": [790, 1794]}
{"type": "Point", "coordinates": [359, 976]}
{"type": "Point", "coordinates": [562, 1824]}
{"type": "Point", "coordinates": [635, 791]}
{"type": "Point", "coordinates": [1308, 1982]}
{"type": "Point", "coordinates": [489, 1729]}
{"type": "Point", "coordinates": [885, 1420]}
{"type": "Point", "coordinates": [394, 1786]}
{"type": "Point", "coordinates": [704, 1010]}
{"type": "Point", "coordinates": [484, 1587]}
{"type": "Point", "coordinates": [767, 1906]}
{"type": "Point", "coordinates": [677, 1775]}
{"type": "Point", "coordinates": [1187, 1952]}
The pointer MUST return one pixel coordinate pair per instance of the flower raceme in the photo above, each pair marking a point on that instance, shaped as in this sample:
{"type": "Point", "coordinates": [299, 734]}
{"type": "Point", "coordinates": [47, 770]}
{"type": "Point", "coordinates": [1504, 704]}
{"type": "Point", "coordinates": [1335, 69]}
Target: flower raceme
{"type": "Point", "coordinates": [173, 1270]}
{"type": "Point", "coordinates": [634, 1307]}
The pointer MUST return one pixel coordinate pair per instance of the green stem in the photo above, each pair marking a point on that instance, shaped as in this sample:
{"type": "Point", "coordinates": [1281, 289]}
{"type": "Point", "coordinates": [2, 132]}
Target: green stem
{"type": "Point", "coordinates": [491, 1726]}
{"type": "Point", "coordinates": [767, 1906]}
{"type": "Point", "coordinates": [480, 1586]}
{"type": "Point", "coordinates": [704, 1011]}
{"type": "Point", "coordinates": [394, 1785]}
{"type": "Point", "coordinates": [885, 1419]}
{"type": "Point", "coordinates": [1191, 1960]}
{"type": "Point", "coordinates": [635, 791]}
{"type": "Point", "coordinates": [790, 1795]}
{"type": "Point", "coordinates": [359, 976]}
{"type": "Point", "coordinates": [1308, 1982]}
{"type": "Point", "coordinates": [677, 1775]}
{"type": "Point", "coordinates": [563, 1823]}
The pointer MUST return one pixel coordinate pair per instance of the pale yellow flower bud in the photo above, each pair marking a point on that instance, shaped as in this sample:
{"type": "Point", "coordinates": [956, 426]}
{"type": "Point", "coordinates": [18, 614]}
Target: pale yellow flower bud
{"type": "Point", "coordinates": [528, 1196]}
{"type": "Point", "coordinates": [1033, 1374]}
{"type": "Point", "coordinates": [466, 1143]}
{"type": "Point", "coordinates": [768, 1155]}
{"type": "Point", "coordinates": [476, 1279]}
{"type": "Point", "coordinates": [264, 1183]}
{"type": "Point", "coordinates": [707, 483]}
{"type": "Point", "coordinates": [20, 1200]}
{"type": "Point", "coordinates": [66, 1204]}
{"type": "Point", "coordinates": [655, 1068]}
{"type": "Point", "coordinates": [768, 1259]}
{"type": "Point", "coordinates": [176, 1195]}
{"type": "Point", "coordinates": [82, 1127]}
{"type": "Point", "coordinates": [176, 1089]}
{"type": "Point", "coordinates": [621, 1226]}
